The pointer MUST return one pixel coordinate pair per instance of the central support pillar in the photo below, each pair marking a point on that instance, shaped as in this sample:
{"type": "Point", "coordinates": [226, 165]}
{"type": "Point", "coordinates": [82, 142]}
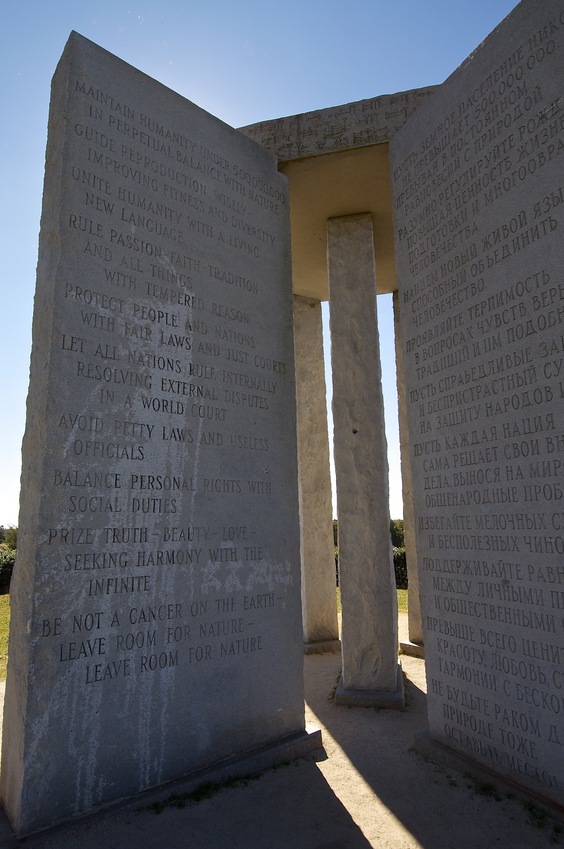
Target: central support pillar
{"type": "Point", "coordinates": [371, 672]}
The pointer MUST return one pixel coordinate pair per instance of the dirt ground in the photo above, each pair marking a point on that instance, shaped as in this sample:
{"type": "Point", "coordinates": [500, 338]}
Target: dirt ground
{"type": "Point", "coordinates": [367, 788]}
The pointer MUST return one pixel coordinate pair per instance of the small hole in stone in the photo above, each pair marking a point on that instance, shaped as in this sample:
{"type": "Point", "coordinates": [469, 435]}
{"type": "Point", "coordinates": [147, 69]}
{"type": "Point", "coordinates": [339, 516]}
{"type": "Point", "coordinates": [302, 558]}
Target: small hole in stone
{"type": "Point", "coordinates": [355, 430]}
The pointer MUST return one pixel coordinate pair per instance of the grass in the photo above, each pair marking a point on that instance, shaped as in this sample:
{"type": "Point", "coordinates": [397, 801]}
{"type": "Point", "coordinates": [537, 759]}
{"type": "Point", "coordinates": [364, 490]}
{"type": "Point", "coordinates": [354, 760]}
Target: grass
{"type": "Point", "coordinates": [402, 601]}
{"type": "Point", "coordinates": [4, 628]}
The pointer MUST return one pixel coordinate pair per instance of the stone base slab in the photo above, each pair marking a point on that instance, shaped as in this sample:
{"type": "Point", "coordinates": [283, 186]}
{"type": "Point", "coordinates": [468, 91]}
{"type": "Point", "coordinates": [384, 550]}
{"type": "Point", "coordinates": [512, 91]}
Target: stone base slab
{"type": "Point", "coordinates": [437, 752]}
{"type": "Point", "coordinates": [323, 647]}
{"type": "Point", "coordinates": [392, 700]}
{"type": "Point", "coordinates": [412, 649]}
{"type": "Point", "coordinates": [249, 764]}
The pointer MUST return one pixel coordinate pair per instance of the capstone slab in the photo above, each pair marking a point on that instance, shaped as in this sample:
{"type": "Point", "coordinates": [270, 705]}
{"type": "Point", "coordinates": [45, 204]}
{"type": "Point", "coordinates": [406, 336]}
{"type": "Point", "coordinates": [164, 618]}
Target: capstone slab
{"type": "Point", "coordinates": [352, 125]}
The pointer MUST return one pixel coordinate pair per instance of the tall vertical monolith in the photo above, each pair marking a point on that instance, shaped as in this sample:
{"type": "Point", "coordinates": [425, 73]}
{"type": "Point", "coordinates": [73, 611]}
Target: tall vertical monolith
{"type": "Point", "coordinates": [156, 609]}
{"type": "Point", "coordinates": [477, 176]}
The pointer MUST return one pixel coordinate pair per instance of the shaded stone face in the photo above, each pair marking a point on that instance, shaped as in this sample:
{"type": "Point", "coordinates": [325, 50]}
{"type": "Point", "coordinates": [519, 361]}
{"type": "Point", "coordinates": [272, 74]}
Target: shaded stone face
{"type": "Point", "coordinates": [477, 179]}
{"type": "Point", "coordinates": [156, 602]}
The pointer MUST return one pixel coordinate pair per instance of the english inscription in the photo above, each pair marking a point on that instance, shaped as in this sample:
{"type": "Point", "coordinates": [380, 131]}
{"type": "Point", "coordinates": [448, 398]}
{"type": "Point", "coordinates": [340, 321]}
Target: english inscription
{"type": "Point", "coordinates": [163, 556]}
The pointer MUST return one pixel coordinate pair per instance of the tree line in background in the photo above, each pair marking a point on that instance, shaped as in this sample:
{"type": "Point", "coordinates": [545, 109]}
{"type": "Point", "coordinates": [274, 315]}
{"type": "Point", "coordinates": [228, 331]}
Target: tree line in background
{"type": "Point", "coordinates": [8, 546]}
{"type": "Point", "coordinates": [398, 550]}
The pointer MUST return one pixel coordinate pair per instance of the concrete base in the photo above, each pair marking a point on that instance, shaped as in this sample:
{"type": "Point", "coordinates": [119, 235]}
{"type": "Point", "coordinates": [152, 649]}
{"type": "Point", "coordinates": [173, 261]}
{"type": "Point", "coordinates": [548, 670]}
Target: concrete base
{"type": "Point", "coordinates": [431, 750]}
{"type": "Point", "coordinates": [392, 700]}
{"type": "Point", "coordinates": [412, 649]}
{"type": "Point", "coordinates": [323, 647]}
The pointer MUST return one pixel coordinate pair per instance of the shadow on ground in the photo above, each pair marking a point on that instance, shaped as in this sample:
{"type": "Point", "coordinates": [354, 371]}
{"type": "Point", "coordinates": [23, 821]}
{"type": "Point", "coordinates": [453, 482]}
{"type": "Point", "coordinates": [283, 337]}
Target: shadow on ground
{"type": "Point", "coordinates": [395, 796]}
{"type": "Point", "coordinates": [367, 789]}
{"type": "Point", "coordinates": [292, 806]}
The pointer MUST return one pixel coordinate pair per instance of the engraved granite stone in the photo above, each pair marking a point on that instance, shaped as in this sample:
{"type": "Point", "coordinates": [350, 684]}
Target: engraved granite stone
{"type": "Point", "coordinates": [156, 601]}
{"type": "Point", "coordinates": [359, 124]}
{"type": "Point", "coordinates": [477, 180]}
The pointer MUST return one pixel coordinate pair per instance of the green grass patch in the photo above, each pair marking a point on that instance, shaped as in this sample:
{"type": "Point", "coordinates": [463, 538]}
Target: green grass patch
{"type": "Point", "coordinates": [4, 629]}
{"type": "Point", "coordinates": [402, 601]}
{"type": "Point", "coordinates": [201, 793]}
{"type": "Point", "coordinates": [536, 816]}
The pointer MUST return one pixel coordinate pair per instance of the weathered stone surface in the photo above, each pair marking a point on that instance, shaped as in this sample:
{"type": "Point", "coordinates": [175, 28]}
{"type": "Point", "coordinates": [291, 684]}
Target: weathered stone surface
{"type": "Point", "coordinates": [156, 600]}
{"type": "Point", "coordinates": [319, 602]}
{"type": "Point", "coordinates": [366, 570]}
{"type": "Point", "coordinates": [478, 205]}
{"type": "Point", "coordinates": [357, 124]}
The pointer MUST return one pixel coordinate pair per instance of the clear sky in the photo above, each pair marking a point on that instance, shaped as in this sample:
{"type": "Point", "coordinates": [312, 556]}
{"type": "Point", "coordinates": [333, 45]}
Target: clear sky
{"type": "Point", "coordinates": [243, 61]}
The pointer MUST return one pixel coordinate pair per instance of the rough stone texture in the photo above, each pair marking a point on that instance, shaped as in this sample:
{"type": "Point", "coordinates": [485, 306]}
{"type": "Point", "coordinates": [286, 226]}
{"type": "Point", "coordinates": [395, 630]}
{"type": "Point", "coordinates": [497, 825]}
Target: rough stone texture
{"type": "Point", "coordinates": [319, 602]}
{"type": "Point", "coordinates": [478, 204]}
{"type": "Point", "coordinates": [369, 632]}
{"type": "Point", "coordinates": [156, 600]}
{"type": "Point", "coordinates": [351, 125]}
{"type": "Point", "coordinates": [414, 603]}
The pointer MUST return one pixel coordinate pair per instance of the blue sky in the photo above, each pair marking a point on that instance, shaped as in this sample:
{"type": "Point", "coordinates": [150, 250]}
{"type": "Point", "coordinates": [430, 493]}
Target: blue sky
{"type": "Point", "coordinates": [242, 61]}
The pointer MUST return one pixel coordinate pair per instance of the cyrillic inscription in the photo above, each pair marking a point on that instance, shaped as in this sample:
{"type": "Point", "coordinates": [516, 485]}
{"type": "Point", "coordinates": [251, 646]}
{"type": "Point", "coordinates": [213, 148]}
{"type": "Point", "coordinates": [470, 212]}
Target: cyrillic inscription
{"type": "Point", "coordinates": [478, 202]}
